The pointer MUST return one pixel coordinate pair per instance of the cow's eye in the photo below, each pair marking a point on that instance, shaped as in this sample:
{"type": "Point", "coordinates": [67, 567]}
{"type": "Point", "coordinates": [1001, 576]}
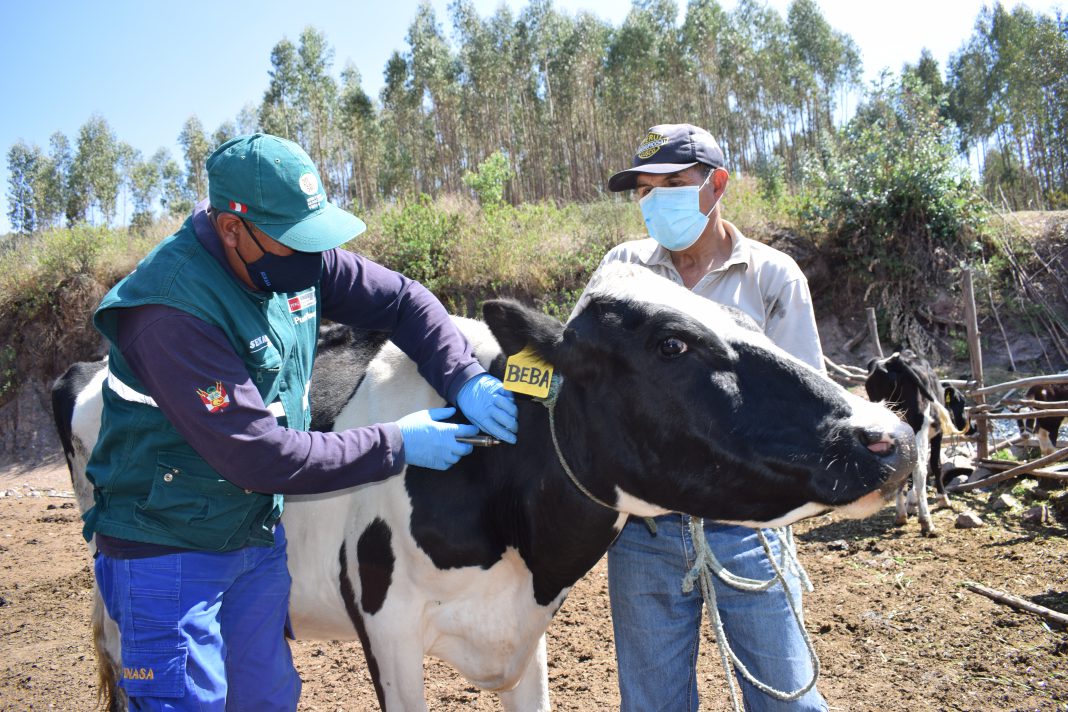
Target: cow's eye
{"type": "Point", "coordinates": [673, 346]}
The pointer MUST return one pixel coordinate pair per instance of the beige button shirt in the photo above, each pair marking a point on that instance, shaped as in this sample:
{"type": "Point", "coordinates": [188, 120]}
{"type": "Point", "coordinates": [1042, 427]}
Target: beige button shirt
{"type": "Point", "coordinates": [761, 281]}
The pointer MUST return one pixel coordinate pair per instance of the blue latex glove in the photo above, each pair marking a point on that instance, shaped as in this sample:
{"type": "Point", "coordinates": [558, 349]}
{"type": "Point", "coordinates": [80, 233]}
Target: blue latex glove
{"type": "Point", "coordinates": [486, 403]}
{"type": "Point", "coordinates": [428, 443]}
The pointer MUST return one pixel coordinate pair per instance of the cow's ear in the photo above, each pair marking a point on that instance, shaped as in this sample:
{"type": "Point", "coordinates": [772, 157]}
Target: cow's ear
{"type": "Point", "coordinates": [516, 326]}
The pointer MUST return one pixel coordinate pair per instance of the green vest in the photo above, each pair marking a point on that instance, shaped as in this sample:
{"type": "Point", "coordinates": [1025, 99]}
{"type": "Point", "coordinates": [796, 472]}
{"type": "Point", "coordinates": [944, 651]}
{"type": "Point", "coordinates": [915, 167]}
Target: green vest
{"type": "Point", "coordinates": [149, 484]}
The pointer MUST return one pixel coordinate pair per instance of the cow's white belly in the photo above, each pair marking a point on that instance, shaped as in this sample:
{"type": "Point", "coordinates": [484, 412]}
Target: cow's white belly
{"type": "Point", "coordinates": [484, 622]}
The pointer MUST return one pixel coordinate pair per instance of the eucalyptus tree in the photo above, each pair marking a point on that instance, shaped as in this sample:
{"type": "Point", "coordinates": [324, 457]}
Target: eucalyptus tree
{"type": "Point", "coordinates": [23, 163]}
{"type": "Point", "coordinates": [176, 197]}
{"type": "Point", "coordinates": [432, 75]}
{"type": "Point", "coordinates": [360, 140]}
{"type": "Point", "coordinates": [196, 147]}
{"type": "Point", "coordinates": [94, 178]}
{"type": "Point", "coordinates": [640, 83]}
{"type": "Point", "coordinates": [400, 127]}
{"type": "Point", "coordinates": [226, 131]}
{"type": "Point", "coordinates": [824, 63]}
{"type": "Point", "coordinates": [487, 81]}
{"type": "Point", "coordinates": [129, 157]}
{"type": "Point", "coordinates": [146, 187]}
{"type": "Point", "coordinates": [53, 176]}
{"type": "Point", "coordinates": [317, 95]}
{"type": "Point", "coordinates": [703, 42]}
{"type": "Point", "coordinates": [1007, 85]}
{"type": "Point", "coordinates": [278, 111]}
{"type": "Point", "coordinates": [755, 61]}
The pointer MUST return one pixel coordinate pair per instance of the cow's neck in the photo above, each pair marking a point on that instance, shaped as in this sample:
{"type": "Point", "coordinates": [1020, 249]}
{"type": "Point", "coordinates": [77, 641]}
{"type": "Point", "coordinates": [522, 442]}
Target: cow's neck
{"type": "Point", "coordinates": [514, 496]}
{"type": "Point", "coordinates": [567, 530]}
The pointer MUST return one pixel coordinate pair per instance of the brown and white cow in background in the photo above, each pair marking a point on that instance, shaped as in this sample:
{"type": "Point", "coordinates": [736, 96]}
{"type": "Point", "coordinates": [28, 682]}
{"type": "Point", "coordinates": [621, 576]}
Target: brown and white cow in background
{"type": "Point", "coordinates": [667, 403]}
{"type": "Point", "coordinates": [1045, 429]}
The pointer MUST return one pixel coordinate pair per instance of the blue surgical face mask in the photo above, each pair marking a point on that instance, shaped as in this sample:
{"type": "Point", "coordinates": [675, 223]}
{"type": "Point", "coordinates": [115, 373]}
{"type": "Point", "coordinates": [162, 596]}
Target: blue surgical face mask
{"type": "Point", "coordinates": [673, 216]}
{"type": "Point", "coordinates": [275, 273]}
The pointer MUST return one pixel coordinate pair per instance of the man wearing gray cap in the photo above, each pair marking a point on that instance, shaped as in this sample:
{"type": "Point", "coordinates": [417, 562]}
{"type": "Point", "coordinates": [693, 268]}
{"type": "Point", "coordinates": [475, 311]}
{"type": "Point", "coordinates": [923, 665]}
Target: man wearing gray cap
{"type": "Point", "coordinates": [679, 175]}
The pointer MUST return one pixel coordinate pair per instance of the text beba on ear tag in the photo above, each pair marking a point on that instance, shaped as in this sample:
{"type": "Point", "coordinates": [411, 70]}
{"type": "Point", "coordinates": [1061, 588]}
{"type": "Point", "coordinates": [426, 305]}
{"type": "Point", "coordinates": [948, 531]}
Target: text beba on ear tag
{"type": "Point", "coordinates": [526, 373]}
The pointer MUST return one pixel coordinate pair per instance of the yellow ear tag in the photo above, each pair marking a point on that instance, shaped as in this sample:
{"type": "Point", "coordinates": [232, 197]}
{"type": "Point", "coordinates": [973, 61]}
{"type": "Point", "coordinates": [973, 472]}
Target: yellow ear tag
{"type": "Point", "coordinates": [526, 373]}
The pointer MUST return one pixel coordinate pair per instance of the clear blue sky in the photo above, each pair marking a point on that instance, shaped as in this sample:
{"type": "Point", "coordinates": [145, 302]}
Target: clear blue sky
{"type": "Point", "coordinates": [146, 66]}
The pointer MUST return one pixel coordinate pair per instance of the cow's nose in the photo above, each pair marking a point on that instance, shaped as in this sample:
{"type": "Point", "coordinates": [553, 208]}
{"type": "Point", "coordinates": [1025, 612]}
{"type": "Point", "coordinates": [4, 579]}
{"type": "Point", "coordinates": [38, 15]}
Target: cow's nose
{"type": "Point", "coordinates": [876, 439]}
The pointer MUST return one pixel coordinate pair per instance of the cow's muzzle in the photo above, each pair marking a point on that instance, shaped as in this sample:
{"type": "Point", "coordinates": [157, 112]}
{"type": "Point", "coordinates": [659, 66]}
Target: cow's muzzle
{"type": "Point", "coordinates": [896, 451]}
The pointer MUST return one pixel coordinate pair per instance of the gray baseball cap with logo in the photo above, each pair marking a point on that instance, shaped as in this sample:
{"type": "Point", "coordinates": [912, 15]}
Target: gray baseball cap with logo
{"type": "Point", "coordinates": [669, 148]}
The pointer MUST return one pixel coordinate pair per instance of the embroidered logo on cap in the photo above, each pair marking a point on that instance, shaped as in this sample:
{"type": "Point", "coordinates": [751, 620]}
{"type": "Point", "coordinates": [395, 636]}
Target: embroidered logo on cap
{"type": "Point", "coordinates": [214, 398]}
{"type": "Point", "coordinates": [238, 207]}
{"type": "Point", "coordinates": [309, 184]}
{"type": "Point", "coordinates": [651, 145]}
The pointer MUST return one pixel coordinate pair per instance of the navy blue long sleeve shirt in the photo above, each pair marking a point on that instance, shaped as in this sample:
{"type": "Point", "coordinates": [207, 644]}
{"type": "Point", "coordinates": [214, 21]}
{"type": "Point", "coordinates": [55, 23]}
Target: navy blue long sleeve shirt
{"type": "Point", "coordinates": [173, 353]}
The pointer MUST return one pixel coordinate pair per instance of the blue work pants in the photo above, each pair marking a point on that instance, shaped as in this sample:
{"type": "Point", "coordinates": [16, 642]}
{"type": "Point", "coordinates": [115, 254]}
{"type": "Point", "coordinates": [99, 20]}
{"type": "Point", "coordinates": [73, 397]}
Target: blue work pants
{"type": "Point", "coordinates": [657, 626]}
{"type": "Point", "coordinates": [203, 631]}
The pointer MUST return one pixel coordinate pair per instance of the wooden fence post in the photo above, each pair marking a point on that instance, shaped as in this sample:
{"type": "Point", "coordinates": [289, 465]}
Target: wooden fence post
{"type": "Point", "coordinates": [971, 320]}
{"type": "Point", "coordinates": [873, 332]}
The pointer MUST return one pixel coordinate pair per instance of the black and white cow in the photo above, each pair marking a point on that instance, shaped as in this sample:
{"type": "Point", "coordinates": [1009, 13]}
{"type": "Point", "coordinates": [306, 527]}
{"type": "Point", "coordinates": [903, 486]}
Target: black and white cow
{"type": "Point", "coordinates": [667, 403]}
{"type": "Point", "coordinates": [906, 383]}
{"type": "Point", "coordinates": [1045, 429]}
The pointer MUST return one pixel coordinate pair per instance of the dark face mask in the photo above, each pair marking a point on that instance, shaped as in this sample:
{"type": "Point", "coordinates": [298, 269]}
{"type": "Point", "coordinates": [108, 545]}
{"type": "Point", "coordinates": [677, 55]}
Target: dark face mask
{"type": "Point", "coordinates": [274, 273]}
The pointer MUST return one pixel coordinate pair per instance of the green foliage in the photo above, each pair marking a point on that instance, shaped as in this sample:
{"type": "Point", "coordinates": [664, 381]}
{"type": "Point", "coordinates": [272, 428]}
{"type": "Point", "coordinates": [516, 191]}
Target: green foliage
{"type": "Point", "coordinates": [419, 238]}
{"type": "Point", "coordinates": [489, 179]}
{"type": "Point", "coordinates": [8, 379]}
{"type": "Point", "coordinates": [538, 252]}
{"type": "Point", "coordinates": [897, 209]}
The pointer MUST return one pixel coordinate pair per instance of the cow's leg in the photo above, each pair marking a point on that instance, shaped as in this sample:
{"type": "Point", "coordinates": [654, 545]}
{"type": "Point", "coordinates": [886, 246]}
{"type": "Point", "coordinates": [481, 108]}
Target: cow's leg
{"type": "Point", "coordinates": [901, 500]}
{"type": "Point", "coordinates": [1045, 443]}
{"type": "Point", "coordinates": [532, 692]}
{"type": "Point", "coordinates": [936, 472]}
{"type": "Point", "coordinates": [399, 653]}
{"type": "Point", "coordinates": [919, 473]}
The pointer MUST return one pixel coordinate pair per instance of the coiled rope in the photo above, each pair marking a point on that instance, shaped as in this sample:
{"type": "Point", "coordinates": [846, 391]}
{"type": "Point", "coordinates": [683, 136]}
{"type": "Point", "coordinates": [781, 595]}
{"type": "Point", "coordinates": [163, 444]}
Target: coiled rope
{"type": "Point", "coordinates": [706, 565]}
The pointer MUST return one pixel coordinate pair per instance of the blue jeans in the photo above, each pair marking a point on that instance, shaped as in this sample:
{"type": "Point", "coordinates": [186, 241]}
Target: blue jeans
{"type": "Point", "coordinates": [657, 626]}
{"type": "Point", "coordinates": [203, 631]}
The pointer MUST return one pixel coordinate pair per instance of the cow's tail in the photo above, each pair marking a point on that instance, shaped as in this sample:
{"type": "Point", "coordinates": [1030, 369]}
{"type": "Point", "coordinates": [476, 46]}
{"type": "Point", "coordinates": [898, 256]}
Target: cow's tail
{"type": "Point", "coordinates": [945, 420]}
{"type": "Point", "coordinates": [110, 696]}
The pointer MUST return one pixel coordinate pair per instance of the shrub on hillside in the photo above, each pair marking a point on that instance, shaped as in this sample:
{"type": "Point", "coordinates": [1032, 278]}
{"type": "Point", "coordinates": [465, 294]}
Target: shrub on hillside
{"type": "Point", "coordinates": [895, 208]}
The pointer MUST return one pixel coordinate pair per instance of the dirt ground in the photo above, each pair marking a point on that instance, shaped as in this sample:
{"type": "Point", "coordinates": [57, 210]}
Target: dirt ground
{"type": "Point", "coordinates": [892, 625]}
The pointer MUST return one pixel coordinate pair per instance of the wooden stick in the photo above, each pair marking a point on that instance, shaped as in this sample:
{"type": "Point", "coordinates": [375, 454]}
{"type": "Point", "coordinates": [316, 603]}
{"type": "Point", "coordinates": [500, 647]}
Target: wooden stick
{"type": "Point", "coordinates": [1016, 602]}
{"type": "Point", "coordinates": [975, 351]}
{"type": "Point", "coordinates": [1037, 472]}
{"type": "Point", "coordinates": [1035, 403]}
{"type": "Point", "coordinates": [873, 332]}
{"type": "Point", "coordinates": [1034, 380]}
{"type": "Point", "coordinates": [1022, 415]}
{"type": "Point", "coordinates": [855, 341]}
{"type": "Point", "coordinates": [843, 372]}
{"type": "Point", "coordinates": [1025, 468]}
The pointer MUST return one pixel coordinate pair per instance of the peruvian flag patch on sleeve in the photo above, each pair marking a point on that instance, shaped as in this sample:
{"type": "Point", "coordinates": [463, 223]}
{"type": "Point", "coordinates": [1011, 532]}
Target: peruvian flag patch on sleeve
{"type": "Point", "coordinates": [215, 398]}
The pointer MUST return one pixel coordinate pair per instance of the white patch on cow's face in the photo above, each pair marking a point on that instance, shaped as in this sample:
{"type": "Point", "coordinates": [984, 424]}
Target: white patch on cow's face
{"type": "Point", "coordinates": [631, 282]}
{"type": "Point", "coordinates": [803, 512]}
{"type": "Point", "coordinates": [630, 504]}
{"type": "Point", "coordinates": [868, 415]}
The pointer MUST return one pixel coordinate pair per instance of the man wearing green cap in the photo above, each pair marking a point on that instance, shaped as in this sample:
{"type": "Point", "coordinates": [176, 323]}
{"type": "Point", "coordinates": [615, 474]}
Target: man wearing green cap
{"type": "Point", "coordinates": [205, 424]}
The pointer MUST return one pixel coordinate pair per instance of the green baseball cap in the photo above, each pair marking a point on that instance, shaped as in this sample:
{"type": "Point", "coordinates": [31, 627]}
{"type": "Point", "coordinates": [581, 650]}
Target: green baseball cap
{"type": "Point", "coordinates": [272, 183]}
